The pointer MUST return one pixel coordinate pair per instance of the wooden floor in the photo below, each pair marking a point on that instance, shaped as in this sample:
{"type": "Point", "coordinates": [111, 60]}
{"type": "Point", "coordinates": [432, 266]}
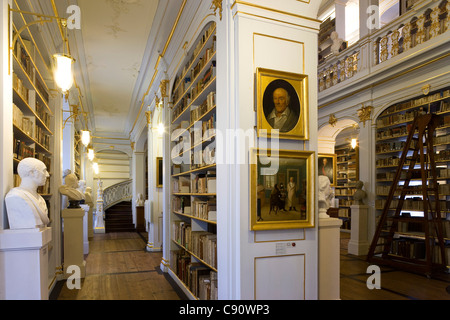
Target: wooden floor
{"type": "Point", "coordinates": [119, 268]}
{"type": "Point", "coordinates": [395, 284]}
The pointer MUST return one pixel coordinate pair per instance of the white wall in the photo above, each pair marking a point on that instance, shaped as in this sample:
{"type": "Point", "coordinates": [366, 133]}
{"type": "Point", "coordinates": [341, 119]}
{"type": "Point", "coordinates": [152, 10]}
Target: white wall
{"type": "Point", "coordinates": [252, 36]}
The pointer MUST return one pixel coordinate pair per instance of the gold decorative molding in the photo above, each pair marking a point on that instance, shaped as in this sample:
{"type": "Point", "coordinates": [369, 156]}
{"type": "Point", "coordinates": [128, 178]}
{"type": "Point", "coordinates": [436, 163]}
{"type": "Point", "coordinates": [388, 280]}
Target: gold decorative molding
{"type": "Point", "coordinates": [163, 88]}
{"type": "Point", "coordinates": [426, 89]}
{"type": "Point", "coordinates": [217, 6]}
{"type": "Point", "coordinates": [333, 120]}
{"type": "Point", "coordinates": [364, 114]}
{"type": "Point", "coordinates": [148, 114]}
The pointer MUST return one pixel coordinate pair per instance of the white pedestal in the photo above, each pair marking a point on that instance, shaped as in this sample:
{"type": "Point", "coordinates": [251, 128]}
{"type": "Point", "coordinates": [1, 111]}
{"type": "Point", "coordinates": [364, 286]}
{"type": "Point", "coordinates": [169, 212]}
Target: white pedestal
{"type": "Point", "coordinates": [24, 264]}
{"type": "Point", "coordinates": [86, 208]}
{"type": "Point", "coordinates": [73, 240]}
{"type": "Point", "coordinates": [329, 259]}
{"type": "Point", "coordinates": [359, 241]}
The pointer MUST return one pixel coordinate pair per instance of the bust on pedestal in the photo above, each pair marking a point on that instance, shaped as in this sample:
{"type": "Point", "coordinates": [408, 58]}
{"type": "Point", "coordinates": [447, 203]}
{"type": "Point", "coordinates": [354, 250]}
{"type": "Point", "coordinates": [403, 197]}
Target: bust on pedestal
{"type": "Point", "coordinates": [329, 235]}
{"type": "Point", "coordinates": [24, 247]}
{"type": "Point", "coordinates": [73, 226]}
{"type": "Point", "coordinates": [359, 240]}
{"type": "Point", "coordinates": [325, 196]}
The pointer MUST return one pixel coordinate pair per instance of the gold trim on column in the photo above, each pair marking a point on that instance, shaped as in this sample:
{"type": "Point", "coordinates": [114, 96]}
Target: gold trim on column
{"type": "Point", "coordinates": [364, 114]}
{"type": "Point", "coordinates": [333, 120]}
{"type": "Point", "coordinates": [217, 6]}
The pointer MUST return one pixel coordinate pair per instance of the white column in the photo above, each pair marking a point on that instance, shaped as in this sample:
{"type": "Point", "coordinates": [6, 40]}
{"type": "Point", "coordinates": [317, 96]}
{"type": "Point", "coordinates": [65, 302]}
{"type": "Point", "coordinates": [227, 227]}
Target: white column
{"type": "Point", "coordinates": [359, 242]}
{"type": "Point", "coordinates": [73, 241]}
{"type": "Point", "coordinates": [329, 259]}
{"type": "Point", "coordinates": [6, 119]}
{"type": "Point", "coordinates": [138, 179]}
{"type": "Point", "coordinates": [86, 208]}
{"type": "Point", "coordinates": [369, 17]}
{"type": "Point", "coordinates": [340, 17]}
{"type": "Point", "coordinates": [167, 210]}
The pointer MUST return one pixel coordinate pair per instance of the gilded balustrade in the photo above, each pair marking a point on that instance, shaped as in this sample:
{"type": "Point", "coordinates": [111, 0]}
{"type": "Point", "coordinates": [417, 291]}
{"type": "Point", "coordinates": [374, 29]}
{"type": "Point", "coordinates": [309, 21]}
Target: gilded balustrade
{"type": "Point", "coordinates": [393, 39]}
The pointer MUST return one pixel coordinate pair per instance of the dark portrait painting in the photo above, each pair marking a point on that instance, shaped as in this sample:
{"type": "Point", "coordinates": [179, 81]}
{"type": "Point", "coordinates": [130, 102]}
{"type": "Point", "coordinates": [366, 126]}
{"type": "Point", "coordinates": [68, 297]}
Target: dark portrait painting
{"type": "Point", "coordinates": [281, 97]}
{"type": "Point", "coordinates": [282, 105]}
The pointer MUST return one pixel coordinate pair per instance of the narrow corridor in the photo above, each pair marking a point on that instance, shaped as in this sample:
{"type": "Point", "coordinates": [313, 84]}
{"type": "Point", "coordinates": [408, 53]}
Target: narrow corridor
{"type": "Point", "coordinates": [119, 268]}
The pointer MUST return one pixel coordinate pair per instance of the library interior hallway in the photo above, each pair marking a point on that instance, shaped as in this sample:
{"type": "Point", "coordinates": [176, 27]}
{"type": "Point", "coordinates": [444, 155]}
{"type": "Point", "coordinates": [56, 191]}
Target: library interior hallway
{"type": "Point", "coordinates": [119, 268]}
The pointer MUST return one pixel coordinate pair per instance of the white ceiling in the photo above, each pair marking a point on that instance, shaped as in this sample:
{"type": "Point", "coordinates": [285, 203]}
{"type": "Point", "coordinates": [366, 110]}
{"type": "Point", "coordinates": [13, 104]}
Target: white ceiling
{"type": "Point", "coordinates": [115, 35]}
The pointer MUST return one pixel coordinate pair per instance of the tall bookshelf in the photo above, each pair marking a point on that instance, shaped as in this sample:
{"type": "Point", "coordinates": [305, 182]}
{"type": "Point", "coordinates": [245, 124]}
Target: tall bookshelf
{"type": "Point", "coordinates": [32, 116]}
{"type": "Point", "coordinates": [347, 166]}
{"type": "Point", "coordinates": [393, 126]}
{"type": "Point", "coordinates": [193, 259]}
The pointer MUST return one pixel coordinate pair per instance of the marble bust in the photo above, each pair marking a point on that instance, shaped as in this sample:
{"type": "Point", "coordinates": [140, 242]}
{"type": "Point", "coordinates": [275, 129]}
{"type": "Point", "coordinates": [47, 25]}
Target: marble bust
{"type": "Point", "coordinates": [70, 189]}
{"type": "Point", "coordinates": [140, 200]}
{"type": "Point", "coordinates": [360, 194]}
{"type": "Point", "coordinates": [26, 209]}
{"type": "Point", "coordinates": [325, 196]}
{"type": "Point", "coordinates": [88, 196]}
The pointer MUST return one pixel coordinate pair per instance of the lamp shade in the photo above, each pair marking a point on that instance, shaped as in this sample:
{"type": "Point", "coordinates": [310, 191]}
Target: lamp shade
{"type": "Point", "coordinates": [91, 154]}
{"type": "Point", "coordinates": [85, 138]}
{"type": "Point", "coordinates": [354, 143]}
{"type": "Point", "coordinates": [63, 71]}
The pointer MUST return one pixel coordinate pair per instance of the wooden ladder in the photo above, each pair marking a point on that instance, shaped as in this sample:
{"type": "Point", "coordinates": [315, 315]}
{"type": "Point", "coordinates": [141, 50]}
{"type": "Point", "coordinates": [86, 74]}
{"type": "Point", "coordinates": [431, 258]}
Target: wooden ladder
{"type": "Point", "coordinates": [421, 165]}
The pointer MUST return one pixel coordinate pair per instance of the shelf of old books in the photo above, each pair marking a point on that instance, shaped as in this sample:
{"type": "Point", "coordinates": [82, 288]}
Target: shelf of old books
{"type": "Point", "coordinates": [32, 115]}
{"type": "Point", "coordinates": [193, 259]}
{"type": "Point", "coordinates": [393, 126]}
{"type": "Point", "coordinates": [347, 166]}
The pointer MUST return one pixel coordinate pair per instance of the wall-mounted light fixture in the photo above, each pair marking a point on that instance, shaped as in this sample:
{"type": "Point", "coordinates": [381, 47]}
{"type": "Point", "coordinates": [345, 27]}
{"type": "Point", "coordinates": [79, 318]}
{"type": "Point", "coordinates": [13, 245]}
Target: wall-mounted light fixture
{"type": "Point", "coordinates": [354, 143]}
{"type": "Point", "coordinates": [91, 154]}
{"type": "Point", "coordinates": [85, 138]}
{"type": "Point", "coordinates": [63, 62]}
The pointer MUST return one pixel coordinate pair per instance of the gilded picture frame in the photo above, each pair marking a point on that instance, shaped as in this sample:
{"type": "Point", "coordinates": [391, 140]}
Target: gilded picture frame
{"type": "Point", "coordinates": [282, 104]}
{"type": "Point", "coordinates": [279, 207]}
{"type": "Point", "coordinates": [327, 166]}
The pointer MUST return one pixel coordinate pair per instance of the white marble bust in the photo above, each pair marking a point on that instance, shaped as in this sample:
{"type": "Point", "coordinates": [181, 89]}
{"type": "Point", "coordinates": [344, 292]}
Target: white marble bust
{"type": "Point", "coordinates": [70, 188]}
{"type": "Point", "coordinates": [140, 200]}
{"type": "Point", "coordinates": [88, 196]}
{"type": "Point", "coordinates": [325, 196]}
{"type": "Point", "coordinates": [25, 207]}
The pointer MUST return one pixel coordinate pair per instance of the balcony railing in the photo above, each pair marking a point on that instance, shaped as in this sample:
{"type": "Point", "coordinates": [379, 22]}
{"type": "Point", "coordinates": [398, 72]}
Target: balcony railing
{"type": "Point", "coordinates": [426, 21]}
{"type": "Point", "coordinates": [117, 193]}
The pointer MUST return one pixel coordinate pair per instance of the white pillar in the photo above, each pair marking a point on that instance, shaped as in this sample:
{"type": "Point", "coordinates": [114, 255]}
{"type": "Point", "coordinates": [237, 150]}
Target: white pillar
{"type": "Point", "coordinates": [86, 208]}
{"type": "Point", "coordinates": [73, 241]}
{"type": "Point", "coordinates": [6, 118]}
{"type": "Point", "coordinates": [340, 17]}
{"type": "Point", "coordinates": [329, 258]}
{"type": "Point", "coordinates": [359, 242]}
{"type": "Point", "coordinates": [369, 15]}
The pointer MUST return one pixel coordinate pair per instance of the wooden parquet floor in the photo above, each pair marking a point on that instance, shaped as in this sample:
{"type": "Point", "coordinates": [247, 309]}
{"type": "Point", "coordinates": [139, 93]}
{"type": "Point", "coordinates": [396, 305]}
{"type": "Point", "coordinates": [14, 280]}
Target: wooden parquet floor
{"type": "Point", "coordinates": [395, 284]}
{"type": "Point", "coordinates": [119, 268]}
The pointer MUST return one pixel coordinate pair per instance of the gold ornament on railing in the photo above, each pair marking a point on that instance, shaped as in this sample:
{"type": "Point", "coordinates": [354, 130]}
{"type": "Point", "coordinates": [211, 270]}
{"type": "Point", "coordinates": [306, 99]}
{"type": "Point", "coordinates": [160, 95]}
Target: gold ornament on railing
{"type": "Point", "coordinates": [395, 45]}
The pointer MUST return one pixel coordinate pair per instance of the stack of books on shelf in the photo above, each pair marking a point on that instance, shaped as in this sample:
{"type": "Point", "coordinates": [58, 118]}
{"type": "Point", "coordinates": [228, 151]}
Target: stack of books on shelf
{"type": "Point", "coordinates": [204, 246]}
{"type": "Point", "coordinates": [42, 114]}
{"type": "Point", "coordinates": [42, 137]}
{"type": "Point", "coordinates": [207, 105]}
{"type": "Point", "coordinates": [200, 280]}
{"type": "Point", "coordinates": [22, 150]}
{"type": "Point", "coordinates": [205, 210]}
{"type": "Point", "coordinates": [181, 205]}
{"type": "Point", "coordinates": [20, 88]}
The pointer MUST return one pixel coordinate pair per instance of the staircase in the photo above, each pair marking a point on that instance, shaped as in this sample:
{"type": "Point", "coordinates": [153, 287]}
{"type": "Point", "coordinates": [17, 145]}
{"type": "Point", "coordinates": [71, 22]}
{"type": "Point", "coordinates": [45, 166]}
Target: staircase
{"type": "Point", "coordinates": [119, 218]}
